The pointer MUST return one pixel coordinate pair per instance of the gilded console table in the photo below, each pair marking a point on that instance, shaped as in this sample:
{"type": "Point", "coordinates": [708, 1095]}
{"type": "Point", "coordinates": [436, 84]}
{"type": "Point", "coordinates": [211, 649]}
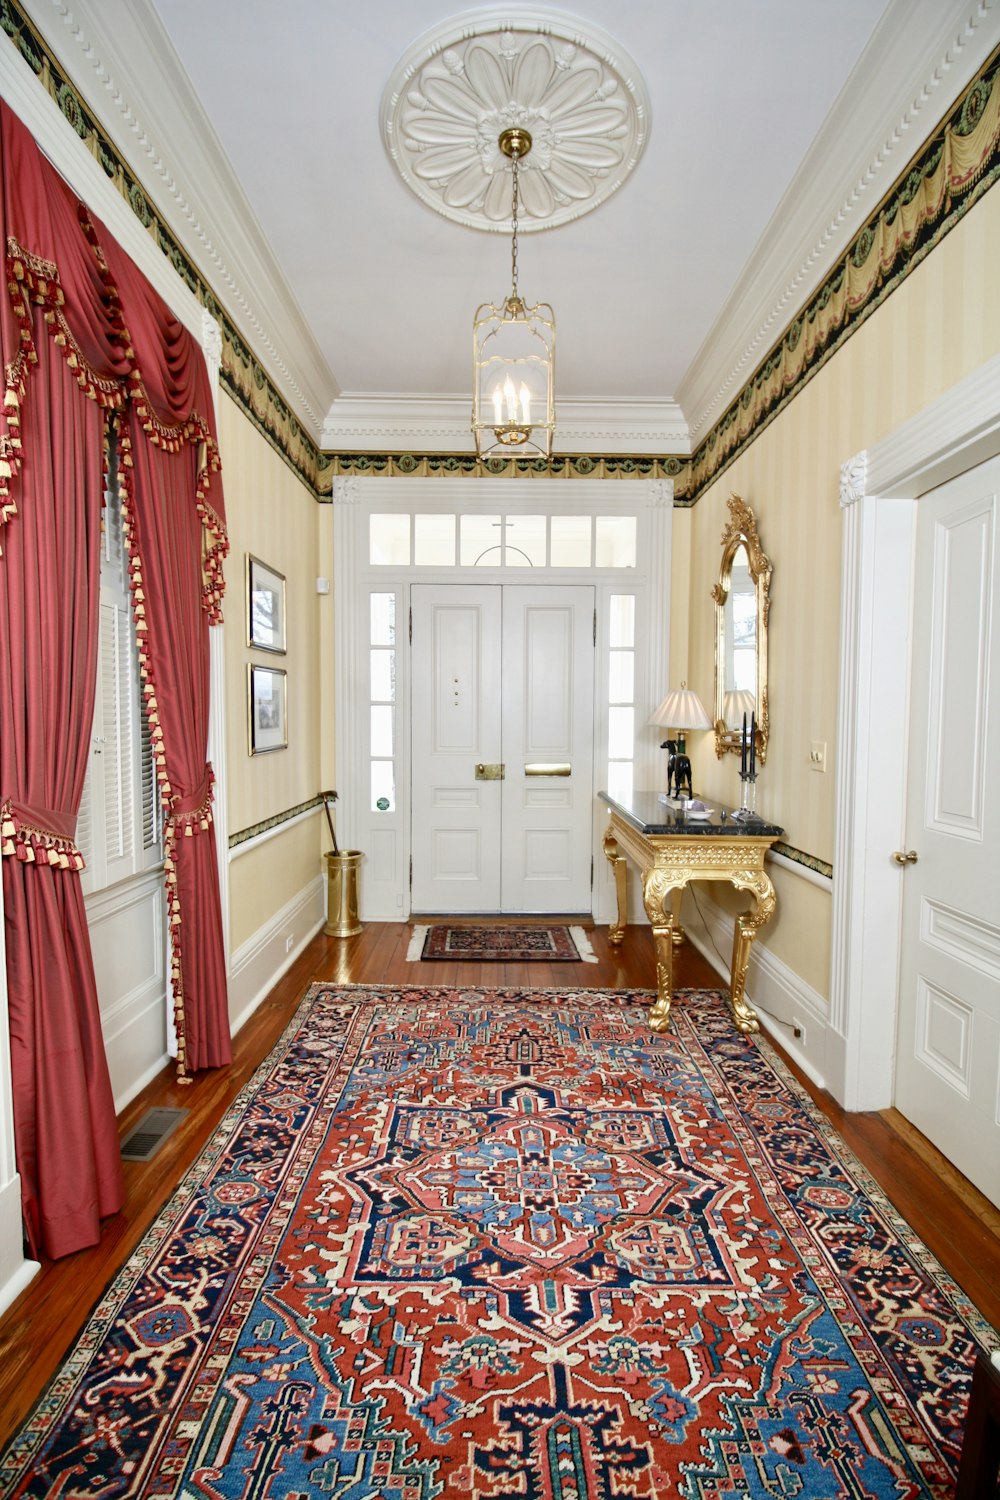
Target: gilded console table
{"type": "Point", "coordinates": [672, 848]}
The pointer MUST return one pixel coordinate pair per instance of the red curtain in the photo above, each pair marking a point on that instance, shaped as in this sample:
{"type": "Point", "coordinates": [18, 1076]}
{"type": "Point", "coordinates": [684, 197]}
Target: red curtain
{"type": "Point", "coordinates": [64, 1118]}
{"type": "Point", "coordinates": [83, 334]}
{"type": "Point", "coordinates": [166, 535]}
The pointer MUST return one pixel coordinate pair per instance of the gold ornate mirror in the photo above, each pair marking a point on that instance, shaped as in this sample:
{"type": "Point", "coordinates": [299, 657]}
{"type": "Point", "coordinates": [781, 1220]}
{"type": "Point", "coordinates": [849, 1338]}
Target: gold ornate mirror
{"type": "Point", "coordinates": [742, 601]}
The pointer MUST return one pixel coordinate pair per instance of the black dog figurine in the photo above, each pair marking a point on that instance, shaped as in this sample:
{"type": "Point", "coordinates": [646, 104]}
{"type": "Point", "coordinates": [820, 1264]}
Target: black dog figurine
{"type": "Point", "coordinates": [678, 771]}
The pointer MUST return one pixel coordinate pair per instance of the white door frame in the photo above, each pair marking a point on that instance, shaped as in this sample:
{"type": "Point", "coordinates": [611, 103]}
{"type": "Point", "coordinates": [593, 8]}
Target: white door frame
{"type": "Point", "coordinates": [880, 488]}
{"type": "Point", "coordinates": [385, 838]}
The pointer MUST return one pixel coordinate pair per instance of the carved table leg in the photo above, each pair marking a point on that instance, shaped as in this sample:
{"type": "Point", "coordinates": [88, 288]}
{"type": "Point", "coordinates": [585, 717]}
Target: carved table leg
{"type": "Point", "coordinates": [747, 927]}
{"type": "Point", "coordinates": [676, 897]}
{"type": "Point", "coordinates": [655, 886]}
{"type": "Point", "coordinates": [617, 862]}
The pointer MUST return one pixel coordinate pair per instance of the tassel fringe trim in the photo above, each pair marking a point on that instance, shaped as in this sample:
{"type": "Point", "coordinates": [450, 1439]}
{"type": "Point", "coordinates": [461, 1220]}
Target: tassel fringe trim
{"type": "Point", "coordinates": [31, 280]}
{"type": "Point", "coordinates": [38, 846]}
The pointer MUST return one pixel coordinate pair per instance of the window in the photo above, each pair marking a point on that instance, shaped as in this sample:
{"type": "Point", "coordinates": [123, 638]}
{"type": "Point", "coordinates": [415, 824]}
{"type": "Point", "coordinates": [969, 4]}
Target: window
{"type": "Point", "coordinates": [511, 541]}
{"type": "Point", "coordinates": [621, 696]}
{"type": "Point", "coordinates": [382, 689]}
{"type": "Point", "coordinates": [118, 829]}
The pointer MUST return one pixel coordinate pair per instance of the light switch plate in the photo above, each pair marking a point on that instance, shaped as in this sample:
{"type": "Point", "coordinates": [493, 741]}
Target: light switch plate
{"type": "Point", "coordinates": [817, 755]}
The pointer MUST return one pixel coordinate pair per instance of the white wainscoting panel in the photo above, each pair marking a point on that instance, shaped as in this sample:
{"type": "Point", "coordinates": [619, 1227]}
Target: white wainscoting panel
{"type": "Point", "coordinates": [259, 963]}
{"type": "Point", "coordinates": [129, 944]}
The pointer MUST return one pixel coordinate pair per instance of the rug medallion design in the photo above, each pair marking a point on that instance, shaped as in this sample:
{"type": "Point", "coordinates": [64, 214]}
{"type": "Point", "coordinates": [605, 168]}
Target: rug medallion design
{"type": "Point", "coordinates": [486, 943]}
{"type": "Point", "coordinates": [491, 1243]}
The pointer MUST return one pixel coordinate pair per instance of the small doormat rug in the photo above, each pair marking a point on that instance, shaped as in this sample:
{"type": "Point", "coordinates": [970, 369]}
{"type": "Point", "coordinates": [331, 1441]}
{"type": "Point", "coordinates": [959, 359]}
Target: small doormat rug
{"type": "Point", "coordinates": [489, 943]}
{"type": "Point", "coordinates": [463, 1242]}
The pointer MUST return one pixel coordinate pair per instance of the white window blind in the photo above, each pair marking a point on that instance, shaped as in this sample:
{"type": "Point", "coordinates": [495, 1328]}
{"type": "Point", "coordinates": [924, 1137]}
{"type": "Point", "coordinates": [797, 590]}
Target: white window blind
{"type": "Point", "coordinates": [118, 823]}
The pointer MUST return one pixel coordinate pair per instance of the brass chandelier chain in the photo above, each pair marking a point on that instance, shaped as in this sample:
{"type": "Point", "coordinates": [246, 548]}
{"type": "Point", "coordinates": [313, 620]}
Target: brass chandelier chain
{"type": "Point", "coordinates": [513, 238]}
{"type": "Point", "coordinates": [514, 142]}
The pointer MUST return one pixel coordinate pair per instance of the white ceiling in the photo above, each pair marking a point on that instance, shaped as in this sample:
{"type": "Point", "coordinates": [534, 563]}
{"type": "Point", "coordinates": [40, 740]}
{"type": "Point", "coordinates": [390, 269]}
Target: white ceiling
{"type": "Point", "coordinates": [776, 127]}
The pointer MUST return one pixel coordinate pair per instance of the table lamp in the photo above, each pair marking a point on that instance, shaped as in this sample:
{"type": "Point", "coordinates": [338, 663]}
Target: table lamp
{"type": "Point", "coordinates": [680, 710]}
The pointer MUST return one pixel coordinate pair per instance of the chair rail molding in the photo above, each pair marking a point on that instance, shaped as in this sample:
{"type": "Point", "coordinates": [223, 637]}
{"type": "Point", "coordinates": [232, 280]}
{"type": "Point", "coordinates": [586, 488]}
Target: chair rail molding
{"type": "Point", "coordinates": [880, 489]}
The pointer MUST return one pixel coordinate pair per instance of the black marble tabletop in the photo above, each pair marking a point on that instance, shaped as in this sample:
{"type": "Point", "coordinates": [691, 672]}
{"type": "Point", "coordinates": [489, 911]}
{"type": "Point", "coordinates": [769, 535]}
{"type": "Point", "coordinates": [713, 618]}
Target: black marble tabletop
{"type": "Point", "coordinates": [649, 813]}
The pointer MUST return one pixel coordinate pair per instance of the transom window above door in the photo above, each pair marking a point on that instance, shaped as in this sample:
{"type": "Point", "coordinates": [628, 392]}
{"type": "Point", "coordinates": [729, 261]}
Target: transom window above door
{"type": "Point", "coordinates": [447, 539]}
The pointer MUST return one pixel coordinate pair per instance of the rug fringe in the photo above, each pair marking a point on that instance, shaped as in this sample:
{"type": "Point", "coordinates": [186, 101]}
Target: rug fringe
{"type": "Point", "coordinates": [416, 947]}
{"type": "Point", "coordinates": [583, 946]}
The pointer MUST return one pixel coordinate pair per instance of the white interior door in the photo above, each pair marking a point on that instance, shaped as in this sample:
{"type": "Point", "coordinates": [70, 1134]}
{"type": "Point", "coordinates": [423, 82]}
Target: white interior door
{"type": "Point", "coordinates": [502, 676]}
{"type": "Point", "coordinates": [948, 1047]}
{"type": "Point", "coordinates": [455, 727]}
{"type": "Point", "coordinates": [548, 749]}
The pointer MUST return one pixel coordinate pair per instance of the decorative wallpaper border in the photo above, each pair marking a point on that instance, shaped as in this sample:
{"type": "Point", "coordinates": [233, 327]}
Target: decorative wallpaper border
{"type": "Point", "coordinates": [243, 377]}
{"type": "Point", "coordinates": [949, 174]}
{"type": "Point", "coordinates": [470, 466]}
{"type": "Point", "coordinates": [267, 825]}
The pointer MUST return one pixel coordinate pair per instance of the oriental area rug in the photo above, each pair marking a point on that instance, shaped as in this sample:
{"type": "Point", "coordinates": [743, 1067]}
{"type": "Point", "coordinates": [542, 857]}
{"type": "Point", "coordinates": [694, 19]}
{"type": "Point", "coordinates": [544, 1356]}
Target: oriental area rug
{"type": "Point", "coordinates": [488, 943]}
{"type": "Point", "coordinates": [458, 1242]}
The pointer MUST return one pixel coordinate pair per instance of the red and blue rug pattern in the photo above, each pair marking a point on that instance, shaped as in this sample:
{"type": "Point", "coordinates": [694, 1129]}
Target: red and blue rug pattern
{"type": "Point", "coordinates": [492, 1243]}
{"type": "Point", "coordinates": [486, 943]}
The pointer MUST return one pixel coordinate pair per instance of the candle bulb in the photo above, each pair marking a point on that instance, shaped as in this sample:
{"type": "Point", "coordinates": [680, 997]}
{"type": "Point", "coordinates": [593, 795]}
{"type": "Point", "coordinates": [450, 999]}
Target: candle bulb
{"type": "Point", "coordinates": [753, 746]}
{"type": "Point", "coordinates": [497, 406]}
{"type": "Point", "coordinates": [743, 750]}
{"type": "Point", "coordinates": [525, 405]}
{"type": "Point", "coordinates": [511, 398]}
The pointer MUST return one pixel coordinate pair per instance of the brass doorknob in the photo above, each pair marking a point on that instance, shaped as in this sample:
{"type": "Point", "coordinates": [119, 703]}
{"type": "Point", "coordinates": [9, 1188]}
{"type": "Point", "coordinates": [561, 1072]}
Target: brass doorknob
{"type": "Point", "coordinates": [910, 858]}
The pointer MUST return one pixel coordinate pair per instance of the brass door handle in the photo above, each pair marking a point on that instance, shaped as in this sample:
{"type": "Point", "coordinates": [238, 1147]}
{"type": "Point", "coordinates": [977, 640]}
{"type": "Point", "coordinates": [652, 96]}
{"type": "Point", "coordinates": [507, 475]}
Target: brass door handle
{"type": "Point", "coordinates": [489, 771]}
{"type": "Point", "coordinates": [909, 858]}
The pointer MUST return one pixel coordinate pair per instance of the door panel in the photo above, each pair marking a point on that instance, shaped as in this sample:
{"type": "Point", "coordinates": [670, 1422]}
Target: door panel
{"type": "Point", "coordinates": [948, 1055]}
{"type": "Point", "coordinates": [455, 725]}
{"type": "Point", "coordinates": [502, 675]}
{"type": "Point", "coordinates": [548, 722]}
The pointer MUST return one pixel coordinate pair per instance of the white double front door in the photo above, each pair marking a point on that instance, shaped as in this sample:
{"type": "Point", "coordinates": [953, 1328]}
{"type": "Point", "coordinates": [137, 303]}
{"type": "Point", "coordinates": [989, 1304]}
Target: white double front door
{"type": "Point", "coordinates": [948, 1051]}
{"type": "Point", "coordinates": [502, 746]}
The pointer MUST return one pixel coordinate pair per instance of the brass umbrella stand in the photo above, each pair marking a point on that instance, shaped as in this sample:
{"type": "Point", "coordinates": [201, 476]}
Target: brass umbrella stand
{"type": "Point", "coordinates": [342, 867]}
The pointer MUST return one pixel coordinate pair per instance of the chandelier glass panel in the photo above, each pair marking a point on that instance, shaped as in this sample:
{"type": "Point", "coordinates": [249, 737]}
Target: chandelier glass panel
{"type": "Point", "coordinates": [513, 353]}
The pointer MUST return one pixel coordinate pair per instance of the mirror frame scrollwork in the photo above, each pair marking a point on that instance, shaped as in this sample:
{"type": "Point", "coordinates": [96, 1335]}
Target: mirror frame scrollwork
{"type": "Point", "coordinates": [741, 531]}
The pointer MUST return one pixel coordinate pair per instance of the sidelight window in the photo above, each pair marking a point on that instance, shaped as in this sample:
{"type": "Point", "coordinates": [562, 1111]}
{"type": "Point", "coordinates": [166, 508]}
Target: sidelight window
{"type": "Point", "coordinates": [382, 680]}
{"type": "Point", "coordinates": [621, 696]}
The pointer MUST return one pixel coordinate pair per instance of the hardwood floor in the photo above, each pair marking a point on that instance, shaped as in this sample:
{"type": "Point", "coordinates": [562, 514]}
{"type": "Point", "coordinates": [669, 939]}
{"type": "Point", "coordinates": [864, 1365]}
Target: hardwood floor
{"type": "Point", "coordinates": [956, 1222]}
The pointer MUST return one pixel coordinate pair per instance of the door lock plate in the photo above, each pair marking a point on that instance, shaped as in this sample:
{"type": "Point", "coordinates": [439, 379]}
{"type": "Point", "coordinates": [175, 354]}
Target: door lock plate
{"type": "Point", "coordinates": [489, 772]}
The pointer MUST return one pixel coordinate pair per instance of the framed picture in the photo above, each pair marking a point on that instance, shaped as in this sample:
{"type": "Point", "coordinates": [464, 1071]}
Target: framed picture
{"type": "Point", "coordinates": [265, 606]}
{"type": "Point", "coordinates": [267, 708]}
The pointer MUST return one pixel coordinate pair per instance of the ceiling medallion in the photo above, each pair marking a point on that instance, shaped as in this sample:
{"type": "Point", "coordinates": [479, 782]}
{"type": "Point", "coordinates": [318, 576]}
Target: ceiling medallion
{"type": "Point", "coordinates": [456, 90]}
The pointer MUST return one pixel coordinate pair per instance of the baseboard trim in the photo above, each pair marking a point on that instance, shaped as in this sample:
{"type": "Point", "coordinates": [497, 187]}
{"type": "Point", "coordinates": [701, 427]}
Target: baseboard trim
{"type": "Point", "coordinates": [781, 997]}
{"type": "Point", "coordinates": [15, 1271]}
{"type": "Point", "coordinates": [259, 963]}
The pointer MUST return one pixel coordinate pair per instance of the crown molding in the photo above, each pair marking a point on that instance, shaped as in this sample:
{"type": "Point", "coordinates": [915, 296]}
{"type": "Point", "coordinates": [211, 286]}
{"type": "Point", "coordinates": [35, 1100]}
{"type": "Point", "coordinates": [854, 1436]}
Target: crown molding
{"type": "Point", "coordinates": [920, 57]}
{"type": "Point", "coordinates": [119, 54]}
{"type": "Point", "coordinates": [359, 422]}
{"type": "Point", "coordinates": [76, 165]}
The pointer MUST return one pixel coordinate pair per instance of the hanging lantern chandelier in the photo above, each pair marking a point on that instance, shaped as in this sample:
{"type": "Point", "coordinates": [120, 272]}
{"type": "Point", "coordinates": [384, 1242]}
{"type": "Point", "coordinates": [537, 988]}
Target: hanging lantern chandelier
{"type": "Point", "coordinates": [513, 354]}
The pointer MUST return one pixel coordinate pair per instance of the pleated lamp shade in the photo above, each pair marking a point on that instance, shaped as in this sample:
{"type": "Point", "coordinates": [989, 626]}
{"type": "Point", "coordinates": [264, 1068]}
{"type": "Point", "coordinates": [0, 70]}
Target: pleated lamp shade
{"type": "Point", "coordinates": [681, 709]}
